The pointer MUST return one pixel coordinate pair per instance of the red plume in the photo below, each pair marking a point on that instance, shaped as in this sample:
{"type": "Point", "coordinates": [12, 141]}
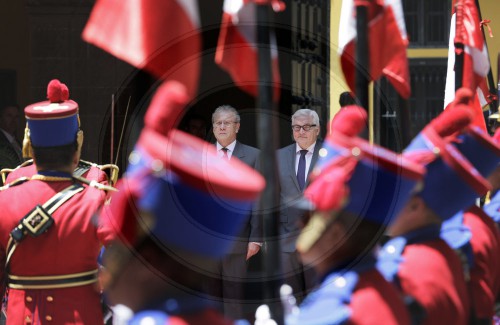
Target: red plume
{"type": "Point", "coordinates": [329, 191]}
{"type": "Point", "coordinates": [64, 92]}
{"type": "Point", "coordinates": [453, 119]}
{"type": "Point", "coordinates": [57, 92]}
{"type": "Point", "coordinates": [350, 121]}
{"type": "Point", "coordinates": [463, 96]}
{"type": "Point", "coordinates": [166, 107]}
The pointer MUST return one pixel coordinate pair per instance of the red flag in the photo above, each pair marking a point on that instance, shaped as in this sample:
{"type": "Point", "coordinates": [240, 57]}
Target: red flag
{"type": "Point", "coordinates": [237, 47]}
{"type": "Point", "coordinates": [469, 33]}
{"type": "Point", "coordinates": [387, 43]}
{"type": "Point", "coordinates": [465, 29]}
{"type": "Point", "coordinates": [159, 36]}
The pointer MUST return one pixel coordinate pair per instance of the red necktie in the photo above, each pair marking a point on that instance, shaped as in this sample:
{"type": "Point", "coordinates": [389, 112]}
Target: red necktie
{"type": "Point", "coordinates": [224, 153]}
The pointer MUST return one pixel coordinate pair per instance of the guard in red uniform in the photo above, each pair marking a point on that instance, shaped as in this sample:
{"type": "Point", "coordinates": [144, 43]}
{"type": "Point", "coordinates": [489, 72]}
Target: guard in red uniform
{"type": "Point", "coordinates": [49, 243]}
{"type": "Point", "coordinates": [431, 273]}
{"type": "Point", "coordinates": [178, 211]}
{"type": "Point", "coordinates": [485, 270]}
{"type": "Point", "coordinates": [354, 195]}
{"type": "Point", "coordinates": [492, 209]}
{"type": "Point", "coordinates": [483, 151]}
{"type": "Point", "coordinates": [105, 174]}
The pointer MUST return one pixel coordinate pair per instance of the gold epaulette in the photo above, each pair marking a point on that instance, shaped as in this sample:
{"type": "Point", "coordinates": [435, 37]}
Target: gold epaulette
{"type": "Point", "coordinates": [95, 184]}
{"type": "Point", "coordinates": [112, 168]}
{"type": "Point", "coordinates": [14, 183]}
{"type": "Point", "coordinates": [5, 171]}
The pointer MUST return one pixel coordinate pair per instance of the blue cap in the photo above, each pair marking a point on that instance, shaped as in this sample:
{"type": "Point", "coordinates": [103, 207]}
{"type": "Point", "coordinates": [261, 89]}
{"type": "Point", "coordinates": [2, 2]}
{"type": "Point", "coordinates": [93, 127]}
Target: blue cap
{"type": "Point", "coordinates": [451, 183]}
{"type": "Point", "coordinates": [53, 122]}
{"type": "Point", "coordinates": [378, 182]}
{"type": "Point", "coordinates": [480, 149]}
{"type": "Point", "coordinates": [351, 174]}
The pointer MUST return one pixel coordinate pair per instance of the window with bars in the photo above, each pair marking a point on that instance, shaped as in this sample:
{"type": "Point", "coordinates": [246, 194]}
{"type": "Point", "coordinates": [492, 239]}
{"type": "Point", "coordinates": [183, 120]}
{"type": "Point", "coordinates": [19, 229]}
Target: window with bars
{"type": "Point", "coordinates": [428, 79]}
{"type": "Point", "coordinates": [427, 22]}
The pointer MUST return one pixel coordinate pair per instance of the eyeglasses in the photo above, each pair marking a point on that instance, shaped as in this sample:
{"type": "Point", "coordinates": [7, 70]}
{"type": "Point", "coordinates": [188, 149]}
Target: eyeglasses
{"type": "Point", "coordinates": [306, 127]}
{"type": "Point", "coordinates": [225, 123]}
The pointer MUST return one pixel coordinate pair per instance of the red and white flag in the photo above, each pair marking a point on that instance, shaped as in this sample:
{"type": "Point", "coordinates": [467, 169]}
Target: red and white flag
{"type": "Point", "coordinates": [465, 28]}
{"type": "Point", "coordinates": [387, 39]}
{"type": "Point", "coordinates": [237, 48]}
{"type": "Point", "coordinates": [159, 36]}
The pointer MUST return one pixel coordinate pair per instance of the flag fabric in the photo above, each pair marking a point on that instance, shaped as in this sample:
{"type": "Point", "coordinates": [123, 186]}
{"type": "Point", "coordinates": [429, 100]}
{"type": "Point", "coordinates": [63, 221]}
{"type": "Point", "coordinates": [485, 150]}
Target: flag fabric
{"type": "Point", "coordinates": [237, 48]}
{"type": "Point", "coordinates": [159, 36]}
{"type": "Point", "coordinates": [468, 32]}
{"type": "Point", "coordinates": [465, 29]}
{"type": "Point", "coordinates": [387, 39]}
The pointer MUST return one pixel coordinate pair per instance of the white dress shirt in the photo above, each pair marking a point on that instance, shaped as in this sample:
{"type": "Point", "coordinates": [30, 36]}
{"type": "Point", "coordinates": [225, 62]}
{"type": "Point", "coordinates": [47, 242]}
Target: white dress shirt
{"type": "Point", "coordinates": [230, 149]}
{"type": "Point", "coordinates": [309, 156]}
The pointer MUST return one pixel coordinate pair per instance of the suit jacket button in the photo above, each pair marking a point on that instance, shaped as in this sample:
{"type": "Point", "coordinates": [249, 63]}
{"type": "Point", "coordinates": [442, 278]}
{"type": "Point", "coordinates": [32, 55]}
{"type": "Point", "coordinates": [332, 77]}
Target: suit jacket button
{"type": "Point", "coordinates": [50, 298]}
{"type": "Point", "coordinates": [48, 318]}
{"type": "Point", "coordinates": [29, 299]}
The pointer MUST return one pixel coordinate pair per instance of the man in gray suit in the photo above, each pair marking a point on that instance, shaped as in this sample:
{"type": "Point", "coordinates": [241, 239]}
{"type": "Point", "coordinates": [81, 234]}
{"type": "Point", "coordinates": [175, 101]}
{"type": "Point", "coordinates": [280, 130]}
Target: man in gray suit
{"type": "Point", "coordinates": [295, 162]}
{"type": "Point", "coordinates": [233, 268]}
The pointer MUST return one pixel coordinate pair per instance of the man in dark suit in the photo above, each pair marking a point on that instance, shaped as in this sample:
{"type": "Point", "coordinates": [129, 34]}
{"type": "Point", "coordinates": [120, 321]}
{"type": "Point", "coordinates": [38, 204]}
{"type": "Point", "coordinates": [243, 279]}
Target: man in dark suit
{"type": "Point", "coordinates": [233, 268]}
{"type": "Point", "coordinates": [10, 149]}
{"type": "Point", "coordinates": [295, 162]}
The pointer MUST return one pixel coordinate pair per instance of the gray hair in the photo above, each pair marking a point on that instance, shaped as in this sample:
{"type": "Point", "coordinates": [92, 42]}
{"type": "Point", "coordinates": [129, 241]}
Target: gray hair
{"type": "Point", "coordinates": [306, 112]}
{"type": "Point", "coordinates": [227, 109]}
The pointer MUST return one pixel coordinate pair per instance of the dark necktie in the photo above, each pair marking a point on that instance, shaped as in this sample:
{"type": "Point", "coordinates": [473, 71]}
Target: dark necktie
{"type": "Point", "coordinates": [224, 153]}
{"type": "Point", "coordinates": [301, 170]}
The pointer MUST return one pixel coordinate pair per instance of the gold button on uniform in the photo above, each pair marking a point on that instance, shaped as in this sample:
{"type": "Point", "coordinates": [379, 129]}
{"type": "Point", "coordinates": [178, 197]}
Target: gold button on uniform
{"type": "Point", "coordinates": [50, 298]}
{"type": "Point", "coordinates": [48, 318]}
{"type": "Point", "coordinates": [29, 299]}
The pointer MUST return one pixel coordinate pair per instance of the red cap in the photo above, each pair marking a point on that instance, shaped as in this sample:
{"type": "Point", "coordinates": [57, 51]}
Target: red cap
{"type": "Point", "coordinates": [58, 104]}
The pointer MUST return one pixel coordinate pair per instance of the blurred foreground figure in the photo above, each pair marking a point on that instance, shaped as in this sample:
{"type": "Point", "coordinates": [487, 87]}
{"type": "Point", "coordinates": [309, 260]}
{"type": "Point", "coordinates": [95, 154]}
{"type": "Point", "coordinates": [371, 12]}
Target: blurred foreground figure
{"type": "Point", "coordinates": [177, 212]}
{"type": "Point", "coordinates": [431, 275]}
{"type": "Point", "coordinates": [355, 191]}
{"type": "Point", "coordinates": [482, 248]}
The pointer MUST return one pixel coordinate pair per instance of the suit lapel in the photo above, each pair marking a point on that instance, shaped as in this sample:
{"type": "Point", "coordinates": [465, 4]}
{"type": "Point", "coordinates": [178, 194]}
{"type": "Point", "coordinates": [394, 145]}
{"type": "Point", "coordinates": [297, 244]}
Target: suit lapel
{"type": "Point", "coordinates": [291, 166]}
{"type": "Point", "coordinates": [314, 159]}
{"type": "Point", "coordinates": [239, 151]}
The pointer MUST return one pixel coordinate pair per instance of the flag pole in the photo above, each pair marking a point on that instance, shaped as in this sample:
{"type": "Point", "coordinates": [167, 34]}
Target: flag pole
{"type": "Point", "coordinates": [267, 138]}
{"type": "Point", "coordinates": [492, 86]}
{"type": "Point", "coordinates": [361, 56]}
{"type": "Point", "coordinates": [459, 46]}
{"type": "Point", "coordinates": [362, 52]}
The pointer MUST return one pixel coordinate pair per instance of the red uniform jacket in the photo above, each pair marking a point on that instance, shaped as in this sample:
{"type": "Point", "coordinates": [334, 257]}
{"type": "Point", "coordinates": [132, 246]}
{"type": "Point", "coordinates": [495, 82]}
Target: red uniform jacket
{"type": "Point", "coordinates": [367, 300]}
{"type": "Point", "coordinates": [485, 272]}
{"type": "Point", "coordinates": [431, 272]}
{"type": "Point", "coordinates": [94, 173]}
{"type": "Point", "coordinates": [71, 245]}
{"type": "Point", "coordinates": [376, 301]}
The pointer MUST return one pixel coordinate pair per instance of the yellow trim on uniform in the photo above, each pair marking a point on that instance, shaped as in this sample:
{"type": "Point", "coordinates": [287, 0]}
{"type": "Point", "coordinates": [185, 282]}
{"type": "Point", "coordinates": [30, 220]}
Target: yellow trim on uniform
{"type": "Point", "coordinates": [53, 277]}
{"type": "Point", "coordinates": [52, 286]}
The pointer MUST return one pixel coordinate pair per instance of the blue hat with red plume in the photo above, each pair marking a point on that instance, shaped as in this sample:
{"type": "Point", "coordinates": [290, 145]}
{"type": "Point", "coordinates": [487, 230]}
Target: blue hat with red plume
{"type": "Point", "coordinates": [451, 183]}
{"type": "Point", "coordinates": [53, 122]}
{"type": "Point", "coordinates": [482, 150]}
{"type": "Point", "coordinates": [352, 175]}
{"type": "Point", "coordinates": [177, 190]}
